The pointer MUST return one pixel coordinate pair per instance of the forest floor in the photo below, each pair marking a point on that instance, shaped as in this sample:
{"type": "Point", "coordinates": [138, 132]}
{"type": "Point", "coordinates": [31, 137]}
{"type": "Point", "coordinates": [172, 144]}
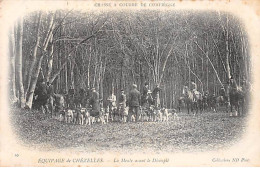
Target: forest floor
{"type": "Point", "coordinates": [204, 132]}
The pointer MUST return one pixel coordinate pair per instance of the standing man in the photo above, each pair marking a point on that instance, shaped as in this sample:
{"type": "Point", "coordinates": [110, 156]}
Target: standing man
{"type": "Point", "coordinates": [149, 98]}
{"type": "Point", "coordinates": [122, 99]}
{"type": "Point", "coordinates": [156, 96]}
{"type": "Point", "coordinates": [112, 105]}
{"type": "Point", "coordinates": [145, 93]}
{"type": "Point", "coordinates": [113, 100]}
{"type": "Point", "coordinates": [88, 96]}
{"type": "Point", "coordinates": [122, 103]}
{"type": "Point", "coordinates": [82, 97]}
{"type": "Point", "coordinates": [134, 103]}
{"type": "Point", "coordinates": [222, 93]}
{"type": "Point", "coordinates": [71, 94]}
{"type": "Point", "coordinates": [95, 100]}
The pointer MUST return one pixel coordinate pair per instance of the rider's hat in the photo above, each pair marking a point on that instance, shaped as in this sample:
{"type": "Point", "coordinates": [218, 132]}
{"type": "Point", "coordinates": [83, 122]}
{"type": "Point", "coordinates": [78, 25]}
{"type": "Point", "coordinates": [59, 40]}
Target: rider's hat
{"type": "Point", "coordinates": [134, 85]}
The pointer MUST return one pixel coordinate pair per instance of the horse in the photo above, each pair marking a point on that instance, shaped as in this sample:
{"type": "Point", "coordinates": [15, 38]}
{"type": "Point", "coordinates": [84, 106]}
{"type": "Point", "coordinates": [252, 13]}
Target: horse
{"type": "Point", "coordinates": [197, 102]}
{"type": "Point", "coordinates": [181, 103]}
{"type": "Point", "coordinates": [205, 100]}
{"type": "Point", "coordinates": [237, 98]}
{"type": "Point", "coordinates": [59, 102]}
{"type": "Point", "coordinates": [192, 99]}
{"type": "Point", "coordinates": [188, 99]}
{"type": "Point", "coordinates": [42, 101]}
{"type": "Point", "coordinates": [212, 103]}
{"type": "Point", "coordinates": [221, 101]}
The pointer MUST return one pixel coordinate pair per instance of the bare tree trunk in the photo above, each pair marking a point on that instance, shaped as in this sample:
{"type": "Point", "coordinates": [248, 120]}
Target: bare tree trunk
{"type": "Point", "coordinates": [72, 73]}
{"type": "Point", "coordinates": [50, 61]}
{"type": "Point", "coordinates": [89, 61]}
{"type": "Point", "coordinates": [227, 53]}
{"type": "Point", "coordinates": [12, 57]}
{"type": "Point", "coordinates": [38, 68]}
{"type": "Point", "coordinates": [227, 61]}
{"type": "Point", "coordinates": [19, 56]}
{"type": "Point", "coordinates": [34, 54]}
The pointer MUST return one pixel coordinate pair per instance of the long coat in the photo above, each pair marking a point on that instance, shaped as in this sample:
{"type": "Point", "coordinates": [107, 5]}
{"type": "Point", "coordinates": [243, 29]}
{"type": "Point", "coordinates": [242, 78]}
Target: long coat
{"type": "Point", "coordinates": [156, 96]}
{"type": "Point", "coordinates": [122, 100]}
{"type": "Point", "coordinates": [134, 98]}
{"type": "Point", "coordinates": [95, 101]}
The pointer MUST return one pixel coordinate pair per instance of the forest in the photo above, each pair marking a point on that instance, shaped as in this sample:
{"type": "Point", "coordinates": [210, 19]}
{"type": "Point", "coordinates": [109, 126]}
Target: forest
{"type": "Point", "coordinates": [112, 50]}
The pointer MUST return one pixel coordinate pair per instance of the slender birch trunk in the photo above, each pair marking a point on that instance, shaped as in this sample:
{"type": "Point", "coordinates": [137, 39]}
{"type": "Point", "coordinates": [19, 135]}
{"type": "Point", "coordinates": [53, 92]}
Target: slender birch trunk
{"type": "Point", "coordinates": [19, 56]}
{"type": "Point", "coordinates": [12, 62]}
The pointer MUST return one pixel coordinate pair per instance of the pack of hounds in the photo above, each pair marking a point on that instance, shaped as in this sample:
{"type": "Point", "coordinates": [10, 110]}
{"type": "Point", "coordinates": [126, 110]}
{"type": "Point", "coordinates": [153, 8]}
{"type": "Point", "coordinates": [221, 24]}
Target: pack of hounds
{"type": "Point", "coordinates": [85, 116]}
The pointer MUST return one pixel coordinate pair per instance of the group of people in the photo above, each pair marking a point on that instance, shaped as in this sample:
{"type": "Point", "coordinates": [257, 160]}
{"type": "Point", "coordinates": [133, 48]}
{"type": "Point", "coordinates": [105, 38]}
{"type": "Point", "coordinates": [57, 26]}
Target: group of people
{"type": "Point", "coordinates": [44, 94]}
{"type": "Point", "coordinates": [229, 96]}
{"type": "Point", "coordinates": [135, 100]}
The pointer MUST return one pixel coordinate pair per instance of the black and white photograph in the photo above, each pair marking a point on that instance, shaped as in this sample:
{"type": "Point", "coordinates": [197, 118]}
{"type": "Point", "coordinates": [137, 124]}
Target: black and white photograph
{"type": "Point", "coordinates": [147, 80]}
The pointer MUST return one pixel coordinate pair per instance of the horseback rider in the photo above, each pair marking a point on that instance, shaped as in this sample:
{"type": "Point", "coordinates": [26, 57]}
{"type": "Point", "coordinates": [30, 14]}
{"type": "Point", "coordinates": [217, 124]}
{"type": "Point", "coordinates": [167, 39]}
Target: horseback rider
{"type": "Point", "coordinates": [194, 89]}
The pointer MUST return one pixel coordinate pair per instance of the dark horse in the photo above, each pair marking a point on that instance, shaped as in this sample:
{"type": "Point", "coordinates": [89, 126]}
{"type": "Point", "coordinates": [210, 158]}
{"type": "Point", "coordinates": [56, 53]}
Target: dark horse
{"type": "Point", "coordinates": [42, 101]}
{"type": "Point", "coordinates": [237, 98]}
{"type": "Point", "coordinates": [192, 100]}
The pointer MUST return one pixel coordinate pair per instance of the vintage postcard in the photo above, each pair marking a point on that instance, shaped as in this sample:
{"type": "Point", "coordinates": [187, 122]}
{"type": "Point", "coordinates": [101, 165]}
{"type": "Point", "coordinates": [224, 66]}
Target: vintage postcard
{"type": "Point", "coordinates": [129, 83]}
